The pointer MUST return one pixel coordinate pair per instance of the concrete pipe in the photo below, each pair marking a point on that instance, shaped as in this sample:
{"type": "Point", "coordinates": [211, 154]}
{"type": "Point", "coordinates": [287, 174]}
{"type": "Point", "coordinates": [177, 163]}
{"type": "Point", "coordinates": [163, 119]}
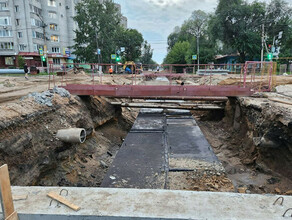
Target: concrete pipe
{"type": "Point", "coordinates": [72, 135]}
{"type": "Point", "coordinates": [12, 71]}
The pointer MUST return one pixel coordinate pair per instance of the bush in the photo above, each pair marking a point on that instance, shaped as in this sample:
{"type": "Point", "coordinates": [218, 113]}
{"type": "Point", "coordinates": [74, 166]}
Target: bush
{"type": "Point", "coordinates": [21, 62]}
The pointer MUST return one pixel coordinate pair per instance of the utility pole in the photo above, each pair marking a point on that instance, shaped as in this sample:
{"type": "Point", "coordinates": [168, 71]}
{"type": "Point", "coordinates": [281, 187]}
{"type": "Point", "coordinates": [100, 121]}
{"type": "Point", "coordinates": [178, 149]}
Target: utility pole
{"type": "Point", "coordinates": [198, 49]}
{"type": "Point", "coordinates": [45, 46]}
{"type": "Point", "coordinates": [45, 50]}
{"type": "Point", "coordinates": [263, 41]}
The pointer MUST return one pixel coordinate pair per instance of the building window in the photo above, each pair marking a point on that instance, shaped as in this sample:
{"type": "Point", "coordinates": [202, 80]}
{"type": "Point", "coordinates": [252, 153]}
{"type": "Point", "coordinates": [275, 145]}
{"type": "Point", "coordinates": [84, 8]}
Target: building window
{"type": "Point", "coordinates": [19, 34]}
{"type": "Point", "coordinates": [53, 27]}
{"type": "Point", "coordinates": [37, 47]}
{"type": "Point", "coordinates": [55, 50]}
{"type": "Point", "coordinates": [52, 3]}
{"type": "Point", "coordinates": [9, 61]}
{"type": "Point", "coordinates": [21, 47]}
{"type": "Point", "coordinates": [17, 22]}
{"type": "Point", "coordinates": [35, 9]}
{"type": "Point", "coordinates": [4, 20]}
{"type": "Point", "coordinates": [38, 35]}
{"type": "Point", "coordinates": [3, 6]}
{"type": "Point", "coordinates": [55, 38]}
{"type": "Point", "coordinates": [6, 45]}
{"type": "Point", "coordinates": [35, 22]}
{"type": "Point", "coordinates": [5, 33]}
{"type": "Point", "coordinates": [16, 8]}
{"type": "Point", "coordinates": [52, 14]}
{"type": "Point", "coordinates": [56, 61]}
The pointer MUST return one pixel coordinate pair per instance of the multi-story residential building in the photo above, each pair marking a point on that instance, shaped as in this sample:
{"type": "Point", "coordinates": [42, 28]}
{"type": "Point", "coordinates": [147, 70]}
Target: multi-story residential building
{"type": "Point", "coordinates": [28, 27]}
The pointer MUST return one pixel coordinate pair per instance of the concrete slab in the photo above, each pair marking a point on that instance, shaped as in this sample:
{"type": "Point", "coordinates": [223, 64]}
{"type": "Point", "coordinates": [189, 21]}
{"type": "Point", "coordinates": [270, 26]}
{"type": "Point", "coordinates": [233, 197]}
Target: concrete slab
{"type": "Point", "coordinates": [106, 204]}
{"type": "Point", "coordinates": [187, 140]}
{"type": "Point", "coordinates": [150, 122]}
{"type": "Point", "coordinates": [139, 163]}
{"type": "Point", "coordinates": [151, 110]}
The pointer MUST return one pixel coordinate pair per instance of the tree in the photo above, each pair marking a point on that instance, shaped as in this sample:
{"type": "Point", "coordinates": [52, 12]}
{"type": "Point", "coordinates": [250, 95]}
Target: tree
{"type": "Point", "coordinates": [238, 24]}
{"type": "Point", "coordinates": [21, 62]}
{"type": "Point", "coordinates": [278, 25]}
{"type": "Point", "coordinates": [98, 27]}
{"type": "Point", "coordinates": [132, 40]}
{"type": "Point", "coordinates": [197, 26]}
{"type": "Point", "coordinates": [178, 53]}
{"type": "Point", "coordinates": [147, 53]}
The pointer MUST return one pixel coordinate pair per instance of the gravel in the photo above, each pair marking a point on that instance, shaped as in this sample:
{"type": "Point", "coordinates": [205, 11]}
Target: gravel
{"type": "Point", "coordinates": [45, 98]}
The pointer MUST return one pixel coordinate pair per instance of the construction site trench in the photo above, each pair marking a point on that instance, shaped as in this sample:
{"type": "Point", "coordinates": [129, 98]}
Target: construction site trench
{"type": "Point", "coordinates": [251, 137]}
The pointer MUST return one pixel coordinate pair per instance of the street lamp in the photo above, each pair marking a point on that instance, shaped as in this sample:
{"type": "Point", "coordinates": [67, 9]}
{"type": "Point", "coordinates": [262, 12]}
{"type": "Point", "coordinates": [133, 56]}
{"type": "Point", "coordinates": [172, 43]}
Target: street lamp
{"type": "Point", "coordinates": [44, 25]}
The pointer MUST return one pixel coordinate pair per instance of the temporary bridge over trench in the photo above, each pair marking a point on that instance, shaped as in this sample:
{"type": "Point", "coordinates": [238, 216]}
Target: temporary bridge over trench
{"type": "Point", "coordinates": [160, 142]}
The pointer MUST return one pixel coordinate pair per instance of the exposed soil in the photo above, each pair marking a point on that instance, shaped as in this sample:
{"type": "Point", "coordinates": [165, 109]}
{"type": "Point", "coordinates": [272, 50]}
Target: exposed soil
{"type": "Point", "coordinates": [34, 155]}
{"type": "Point", "coordinates": [252, 138]}
{"type": "Point", "coordinates": [253, 142]}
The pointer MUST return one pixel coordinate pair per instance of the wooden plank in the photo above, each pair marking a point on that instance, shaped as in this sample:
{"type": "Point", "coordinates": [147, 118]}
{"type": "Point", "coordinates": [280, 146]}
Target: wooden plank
{"type": "Point", "coordinates": [19, 197]}
{"type": "Point", "coordinates": [280, 101]}
{"type": "Point", "coordinates": [6, 194]}
{"type": "Point", "coordinates": [13, 216]}
{"type": "Point", "coordinates": [64, 201]}
{"type": "Point", "coordinates": [150, 105]}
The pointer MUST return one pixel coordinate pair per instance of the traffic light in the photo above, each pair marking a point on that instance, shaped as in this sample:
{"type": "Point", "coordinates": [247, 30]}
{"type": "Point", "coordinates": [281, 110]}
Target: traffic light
{"type": "Point", "coordinates": [43, 58]}
{"type": "Point", "coordinates": [270, 48]}
{"type": "Point", "coordinates": [270, 56]}
{"type": "Point", "coordinates": [118, 59]}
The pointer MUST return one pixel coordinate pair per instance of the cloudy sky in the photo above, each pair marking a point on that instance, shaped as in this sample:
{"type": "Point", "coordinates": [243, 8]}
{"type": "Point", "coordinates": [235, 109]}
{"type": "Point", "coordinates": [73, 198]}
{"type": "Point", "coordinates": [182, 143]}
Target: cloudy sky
{"type": "Point", "coordinates": [156, 19]}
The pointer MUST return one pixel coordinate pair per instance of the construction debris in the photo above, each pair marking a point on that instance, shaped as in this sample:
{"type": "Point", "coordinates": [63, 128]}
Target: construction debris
{"type": "Point", "coordinates": [64, 201]}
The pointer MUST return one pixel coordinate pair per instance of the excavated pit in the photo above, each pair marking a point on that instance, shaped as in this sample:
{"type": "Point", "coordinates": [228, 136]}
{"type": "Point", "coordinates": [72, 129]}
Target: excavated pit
{"type": "Point", "coordinates": [37, 158]}
{"type": "Point", "coordinates": [253, 140]}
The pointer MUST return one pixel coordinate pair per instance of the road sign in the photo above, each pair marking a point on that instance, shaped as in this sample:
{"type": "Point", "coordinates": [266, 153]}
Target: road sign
{"type": "Point", "coordinates": [67, 51]}
{"type": "Point", "coordinates": [113, 56]}
{"type": "Point", "coordinates": [123, 49]}
{"type": "Point", "coordinates": [98, 51]}
{"type": "Point", "coordinates": [41, 52]}
{"type": "Point", "coordinates": [194, 57]}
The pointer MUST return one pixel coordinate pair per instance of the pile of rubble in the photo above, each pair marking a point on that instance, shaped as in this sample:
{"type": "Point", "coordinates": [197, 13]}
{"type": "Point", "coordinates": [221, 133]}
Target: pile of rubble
{"type": "Point", "coordinates": [45, 98]}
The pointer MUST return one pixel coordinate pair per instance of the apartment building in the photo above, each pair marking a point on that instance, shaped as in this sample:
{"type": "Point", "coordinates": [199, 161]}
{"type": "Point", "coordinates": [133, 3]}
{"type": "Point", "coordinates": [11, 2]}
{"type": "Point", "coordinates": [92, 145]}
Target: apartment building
{"type": "Point", "coordinates": [30, 26]}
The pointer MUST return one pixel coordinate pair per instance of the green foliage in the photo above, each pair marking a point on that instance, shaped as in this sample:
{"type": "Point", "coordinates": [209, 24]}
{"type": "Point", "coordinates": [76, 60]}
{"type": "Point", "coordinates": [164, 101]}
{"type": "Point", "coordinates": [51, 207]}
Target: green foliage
{"type": "Point", "coordinates": [21, 62]}
{"type": "Point", "coordinates": [238, 24]}
{"type": "Point", "coordinates": [132, 40]}
{"type": "Point", "coordinates": [195, 27]}
{"type": "Point", "coordinates": [98, 27]}
{"type": "Point", "coordinates": [178, 53]}
{"type": "Point", "coordinates": [147, 54]}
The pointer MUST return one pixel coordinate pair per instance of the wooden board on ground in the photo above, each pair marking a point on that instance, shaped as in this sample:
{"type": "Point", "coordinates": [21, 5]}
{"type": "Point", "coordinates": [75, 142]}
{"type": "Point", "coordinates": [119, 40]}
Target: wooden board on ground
{"type": "Point", "coordinates": [64, 201]}
{"type": "Point", "coordinates": [19, 197]}
{"type": "Point", "coordinates": [13, 216]}
{"type": "Point", "coordinates": [5, 188]}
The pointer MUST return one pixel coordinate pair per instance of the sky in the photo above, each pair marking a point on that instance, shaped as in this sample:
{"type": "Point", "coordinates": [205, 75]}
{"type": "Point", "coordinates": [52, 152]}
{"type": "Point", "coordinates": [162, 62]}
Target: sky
{"type": "Point", "coordinates": [156, 19]}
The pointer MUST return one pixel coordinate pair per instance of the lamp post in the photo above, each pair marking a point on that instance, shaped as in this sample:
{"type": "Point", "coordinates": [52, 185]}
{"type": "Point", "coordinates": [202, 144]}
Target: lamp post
{"type": "Point", "coordinates": [44, 25]}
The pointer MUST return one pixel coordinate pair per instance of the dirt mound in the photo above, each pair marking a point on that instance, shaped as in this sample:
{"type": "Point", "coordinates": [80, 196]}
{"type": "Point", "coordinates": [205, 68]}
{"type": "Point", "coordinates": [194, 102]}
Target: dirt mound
{"type": "Point", "coordinates": [34, 155]}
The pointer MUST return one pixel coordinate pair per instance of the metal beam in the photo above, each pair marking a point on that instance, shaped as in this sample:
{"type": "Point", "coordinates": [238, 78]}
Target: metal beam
{"type": "Point", "coordinates": [136, 91]}
{"type": "Point", "coordinates": [202, 107]}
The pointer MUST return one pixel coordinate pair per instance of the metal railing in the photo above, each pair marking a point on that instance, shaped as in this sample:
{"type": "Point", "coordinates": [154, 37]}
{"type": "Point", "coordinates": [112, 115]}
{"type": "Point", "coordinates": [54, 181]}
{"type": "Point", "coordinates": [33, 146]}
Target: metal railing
{"type": "Point", "coordinates": [255, 75]}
